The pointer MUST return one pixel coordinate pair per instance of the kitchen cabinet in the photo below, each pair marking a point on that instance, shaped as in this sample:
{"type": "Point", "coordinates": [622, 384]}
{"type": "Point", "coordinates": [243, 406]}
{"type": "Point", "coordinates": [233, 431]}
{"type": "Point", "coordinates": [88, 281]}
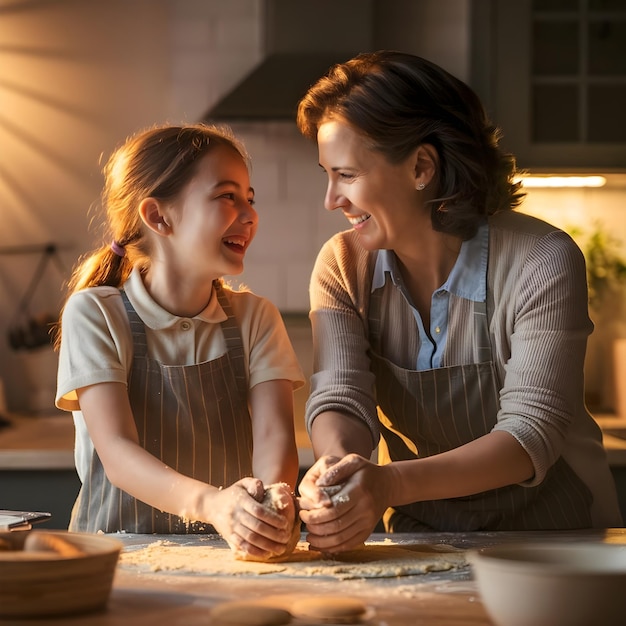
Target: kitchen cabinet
{"type": "Point", "coordinates": [553, 76]}
{"type": "Point", "coordinates": [53, 491]}
{"type": "Point", "coordinates": [37, 466]}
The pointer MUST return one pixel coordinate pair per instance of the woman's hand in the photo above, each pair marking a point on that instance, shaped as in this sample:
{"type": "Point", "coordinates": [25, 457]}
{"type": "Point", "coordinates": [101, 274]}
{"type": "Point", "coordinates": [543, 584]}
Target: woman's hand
{"type": "Point", "coordinates": [251, 529]}
{"type": "Point", "coordinates": [311, 496]}
{"type": "Point", "coordinates": [342, 501]}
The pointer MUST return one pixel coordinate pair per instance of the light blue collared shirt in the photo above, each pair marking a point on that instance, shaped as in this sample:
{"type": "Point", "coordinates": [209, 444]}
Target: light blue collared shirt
{"type": "Point", "coordinates": [468, 280]}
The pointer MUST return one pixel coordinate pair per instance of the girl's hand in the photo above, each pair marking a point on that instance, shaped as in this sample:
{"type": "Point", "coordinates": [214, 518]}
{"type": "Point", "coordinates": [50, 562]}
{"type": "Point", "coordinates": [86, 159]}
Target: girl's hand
{"type": "Point", "coordinates": [250, 529]}
{"type": "Point", "coordinates": [343, 501]}
{"type": "Point", "coordinates": [280, 498]}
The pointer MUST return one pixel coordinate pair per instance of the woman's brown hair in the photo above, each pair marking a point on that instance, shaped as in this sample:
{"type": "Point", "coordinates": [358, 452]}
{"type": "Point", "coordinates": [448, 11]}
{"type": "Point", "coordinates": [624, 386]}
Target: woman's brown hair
{"type": "Point", "coordinates": [399, 101]}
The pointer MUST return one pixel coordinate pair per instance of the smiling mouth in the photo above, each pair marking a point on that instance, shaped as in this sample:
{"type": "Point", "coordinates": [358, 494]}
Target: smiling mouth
{"type": "Point", "coordinates": [355, 221]}
{"type": "Point", "coordinates": [236, 244]}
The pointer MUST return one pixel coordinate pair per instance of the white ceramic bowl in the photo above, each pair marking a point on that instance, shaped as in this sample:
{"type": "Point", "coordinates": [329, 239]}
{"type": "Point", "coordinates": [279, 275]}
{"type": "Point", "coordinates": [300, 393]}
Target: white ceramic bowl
{"type": "Point", "coordinates": [548, 584]}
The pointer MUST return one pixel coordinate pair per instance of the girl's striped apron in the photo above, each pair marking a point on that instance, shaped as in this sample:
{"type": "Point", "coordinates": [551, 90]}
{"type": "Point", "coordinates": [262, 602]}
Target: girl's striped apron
{"type": "Point", "coordinates": [427, 412]}
{"type": "Point", "coordinates": [194, 418]}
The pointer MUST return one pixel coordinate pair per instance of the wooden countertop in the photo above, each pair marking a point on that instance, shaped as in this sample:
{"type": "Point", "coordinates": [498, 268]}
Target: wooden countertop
{"type": "Point", "coordinates": [47, 442]}
{"type": "Point", "coordinates": [159, 598]}
{"type": "Point", "coordinates": [615, 447]}
{"type": "Point", "coordinates": [37, 442]}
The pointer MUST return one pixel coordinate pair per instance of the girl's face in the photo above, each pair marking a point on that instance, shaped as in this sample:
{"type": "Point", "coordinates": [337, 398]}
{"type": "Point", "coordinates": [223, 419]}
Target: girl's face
{"type": "Point", "coordinates": [214, 218]}
{"type": "Point", "coordinates": [378, 198]}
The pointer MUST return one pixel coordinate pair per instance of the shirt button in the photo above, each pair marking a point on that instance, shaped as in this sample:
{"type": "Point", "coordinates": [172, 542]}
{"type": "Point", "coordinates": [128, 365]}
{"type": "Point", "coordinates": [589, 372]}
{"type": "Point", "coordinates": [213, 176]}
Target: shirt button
{"type": "Point", "coordinates": [437, 329]}
{"type": "Point", "coordinates": [185, 325]}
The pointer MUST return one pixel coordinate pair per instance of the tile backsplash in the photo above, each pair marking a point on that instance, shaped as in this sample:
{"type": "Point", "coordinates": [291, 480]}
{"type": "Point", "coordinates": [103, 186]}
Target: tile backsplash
{"type": "Point", "coordinates": [293, 224]}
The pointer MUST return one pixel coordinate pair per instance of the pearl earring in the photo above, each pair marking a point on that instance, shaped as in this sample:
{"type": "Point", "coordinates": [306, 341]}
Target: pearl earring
{"type": "Point", "coordinates": [421, 186]}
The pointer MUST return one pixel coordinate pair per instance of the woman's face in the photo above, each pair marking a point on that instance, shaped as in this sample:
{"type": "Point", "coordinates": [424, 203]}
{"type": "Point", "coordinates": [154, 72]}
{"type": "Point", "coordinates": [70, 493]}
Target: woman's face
{"type": "Point", "coordinates": [379, 199]}
{"type": "Point", "coordinates": [214, 216]}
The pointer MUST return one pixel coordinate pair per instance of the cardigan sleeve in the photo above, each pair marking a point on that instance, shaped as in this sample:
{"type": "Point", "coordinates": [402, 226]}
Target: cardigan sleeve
{"type": "Point", "coordinates": [543, 385]}
{"type": "Point", "coordinates": [342, 380]}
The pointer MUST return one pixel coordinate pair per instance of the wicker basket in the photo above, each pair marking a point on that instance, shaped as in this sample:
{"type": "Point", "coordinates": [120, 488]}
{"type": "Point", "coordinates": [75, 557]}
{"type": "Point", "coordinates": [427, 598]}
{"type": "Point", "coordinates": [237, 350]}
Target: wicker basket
{"type": "Point", "coordinates": [38, 584]}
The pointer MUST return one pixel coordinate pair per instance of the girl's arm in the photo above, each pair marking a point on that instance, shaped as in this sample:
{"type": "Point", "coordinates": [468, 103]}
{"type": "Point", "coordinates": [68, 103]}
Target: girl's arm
{"type": "Point", "coordinates": [108, 416]}
{"type": "Point", "coordinates": [234, 512]}
{"type": "Point", "coordinates": [275, 455]}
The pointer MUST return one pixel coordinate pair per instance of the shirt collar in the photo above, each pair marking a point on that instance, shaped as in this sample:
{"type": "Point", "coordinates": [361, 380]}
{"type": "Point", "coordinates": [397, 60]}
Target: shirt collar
{"type": "Point", "coordinates": [155, 316]}
{"type": "Point", "coordinates": [468, 278]}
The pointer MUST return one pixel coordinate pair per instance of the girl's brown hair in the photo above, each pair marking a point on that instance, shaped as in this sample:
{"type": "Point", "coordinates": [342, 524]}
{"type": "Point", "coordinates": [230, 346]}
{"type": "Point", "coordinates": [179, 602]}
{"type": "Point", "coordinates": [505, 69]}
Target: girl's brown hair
{"type": "Point", "coordinates": [399, 101]}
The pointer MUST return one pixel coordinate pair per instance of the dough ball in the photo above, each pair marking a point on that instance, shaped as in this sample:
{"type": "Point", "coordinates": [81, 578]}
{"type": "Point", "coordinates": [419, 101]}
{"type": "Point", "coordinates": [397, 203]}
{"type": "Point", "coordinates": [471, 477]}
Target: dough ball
{"type": "Point", "coordinates": [248, 614]}
{"type": "Point", "coordinates": [332, 609]}
{"type": "Point", "coordinates": [279, 499]}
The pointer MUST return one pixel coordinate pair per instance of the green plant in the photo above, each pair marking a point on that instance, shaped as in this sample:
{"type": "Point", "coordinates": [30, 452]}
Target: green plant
{"type": "Point", "coordinates": [606, 268]}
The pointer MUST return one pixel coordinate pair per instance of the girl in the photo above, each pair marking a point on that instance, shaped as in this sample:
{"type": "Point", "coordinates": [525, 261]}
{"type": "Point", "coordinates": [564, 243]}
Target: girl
{"type": "Point", "coordinates": [181, 388]}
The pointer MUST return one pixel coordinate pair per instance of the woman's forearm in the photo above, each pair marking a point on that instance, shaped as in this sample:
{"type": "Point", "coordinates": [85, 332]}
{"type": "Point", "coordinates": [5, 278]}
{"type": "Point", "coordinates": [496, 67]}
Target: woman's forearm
{"type": "Point", "coordinates": [338, 434]}
{"type": "Point", "coordinates": [492, 461]}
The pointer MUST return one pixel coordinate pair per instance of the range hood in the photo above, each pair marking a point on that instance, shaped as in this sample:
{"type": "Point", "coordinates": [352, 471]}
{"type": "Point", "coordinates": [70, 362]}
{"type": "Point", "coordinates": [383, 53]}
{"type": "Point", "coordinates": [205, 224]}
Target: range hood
{"type": "Point", "coordinates": [302, 41]}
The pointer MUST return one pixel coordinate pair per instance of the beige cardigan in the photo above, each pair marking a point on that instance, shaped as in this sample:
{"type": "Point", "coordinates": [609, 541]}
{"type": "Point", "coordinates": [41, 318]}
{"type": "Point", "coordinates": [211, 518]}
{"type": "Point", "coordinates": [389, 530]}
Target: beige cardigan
{"type": "Point", "coordinates": [539, 325]}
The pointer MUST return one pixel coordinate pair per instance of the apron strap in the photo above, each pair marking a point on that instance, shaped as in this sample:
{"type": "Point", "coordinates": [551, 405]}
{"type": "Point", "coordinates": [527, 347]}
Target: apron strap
{"type": "Point", "coordinates": [137, 328]}
{"type": "Point", "coordinates": [482, 343]}
{"type": "Point", "coordinates": [373, 318]}
{"type": "Point", "coordinates": [234, 344]}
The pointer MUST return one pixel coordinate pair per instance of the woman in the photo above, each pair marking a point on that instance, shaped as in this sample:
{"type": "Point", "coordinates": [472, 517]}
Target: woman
{"type": "Point", "coordinates": [181, 388]}
{"type": "Point", "coordinates": [449, 330]}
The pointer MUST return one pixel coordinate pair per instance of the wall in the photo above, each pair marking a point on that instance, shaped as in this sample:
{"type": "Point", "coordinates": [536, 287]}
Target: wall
{"type": "Point", "coordinates": [74, 80]}
{"type": "Point", "coordinates": [78, 76]}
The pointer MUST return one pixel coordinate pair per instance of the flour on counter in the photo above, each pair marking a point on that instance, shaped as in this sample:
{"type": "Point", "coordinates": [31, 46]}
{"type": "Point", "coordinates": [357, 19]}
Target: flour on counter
{"type": "Point", "coordinates": [373, 560]}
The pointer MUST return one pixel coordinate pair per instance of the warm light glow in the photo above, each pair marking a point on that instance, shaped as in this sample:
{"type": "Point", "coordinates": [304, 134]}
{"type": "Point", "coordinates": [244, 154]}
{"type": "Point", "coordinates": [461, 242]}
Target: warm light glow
{"type": "Point", "coordinates": [563, 181]}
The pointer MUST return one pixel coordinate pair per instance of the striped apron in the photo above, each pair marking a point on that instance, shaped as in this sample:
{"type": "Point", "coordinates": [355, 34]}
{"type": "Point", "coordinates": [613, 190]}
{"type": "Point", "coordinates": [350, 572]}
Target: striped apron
{"type": "Point", "coordinates": [194, 418]}
{"type": "Point", "coordinates": [427, 412]}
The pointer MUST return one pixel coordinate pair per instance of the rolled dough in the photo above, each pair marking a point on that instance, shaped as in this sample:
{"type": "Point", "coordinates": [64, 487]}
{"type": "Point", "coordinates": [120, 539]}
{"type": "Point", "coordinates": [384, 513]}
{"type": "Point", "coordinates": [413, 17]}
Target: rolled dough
{"type": "Point", "coordinates": [373, 560]}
